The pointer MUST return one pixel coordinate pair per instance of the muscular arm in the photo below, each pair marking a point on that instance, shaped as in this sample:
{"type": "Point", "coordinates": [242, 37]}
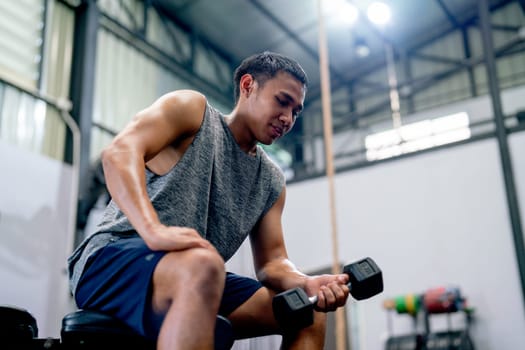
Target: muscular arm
{"type": "Point", "coordinates": [272, 266]}
{"type": "Point", "coordinates": [169, 120]}
{"type": "Point", "coordinates": [277, 272]}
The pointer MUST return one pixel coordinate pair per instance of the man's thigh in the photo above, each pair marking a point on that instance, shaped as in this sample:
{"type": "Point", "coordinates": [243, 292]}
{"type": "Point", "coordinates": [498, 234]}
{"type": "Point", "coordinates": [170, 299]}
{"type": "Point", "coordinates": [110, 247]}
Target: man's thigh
{"type": "Point", "coordinates": [254, 317]}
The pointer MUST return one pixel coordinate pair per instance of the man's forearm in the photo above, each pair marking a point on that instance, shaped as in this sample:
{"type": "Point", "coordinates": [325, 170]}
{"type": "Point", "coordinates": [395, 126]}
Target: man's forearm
{"type": "Point", "coordinates": [281, 274]}
{"type": "Point", "coordinates": [126, 182]}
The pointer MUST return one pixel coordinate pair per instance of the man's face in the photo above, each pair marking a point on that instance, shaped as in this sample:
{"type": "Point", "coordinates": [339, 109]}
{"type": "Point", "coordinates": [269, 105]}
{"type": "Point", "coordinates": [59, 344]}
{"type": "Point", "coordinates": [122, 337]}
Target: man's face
{"type": "Point", "coordinates": [274, 107]}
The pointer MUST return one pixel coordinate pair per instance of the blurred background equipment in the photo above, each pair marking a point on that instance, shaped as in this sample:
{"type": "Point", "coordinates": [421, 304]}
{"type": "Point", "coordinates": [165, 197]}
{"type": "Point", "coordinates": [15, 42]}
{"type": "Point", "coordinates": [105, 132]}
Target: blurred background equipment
{"type": "Point", "coordinates": [422, 308]}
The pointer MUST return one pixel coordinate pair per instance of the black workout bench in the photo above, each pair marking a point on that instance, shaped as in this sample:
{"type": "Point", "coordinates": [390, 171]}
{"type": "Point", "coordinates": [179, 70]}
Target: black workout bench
{"type": "Point", "coordinates": [86, 329]}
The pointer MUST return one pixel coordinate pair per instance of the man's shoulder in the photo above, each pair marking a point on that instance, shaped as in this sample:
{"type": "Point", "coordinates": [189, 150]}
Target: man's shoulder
{"type": "Point", "coordinates": [185, 108]}
{"type": "Point", "coordinates": [186, 100]}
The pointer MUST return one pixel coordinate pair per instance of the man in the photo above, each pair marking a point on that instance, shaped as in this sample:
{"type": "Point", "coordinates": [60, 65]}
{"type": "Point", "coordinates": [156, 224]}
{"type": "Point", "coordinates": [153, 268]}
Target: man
{"type": "Point", "coordinates": [188, 186]}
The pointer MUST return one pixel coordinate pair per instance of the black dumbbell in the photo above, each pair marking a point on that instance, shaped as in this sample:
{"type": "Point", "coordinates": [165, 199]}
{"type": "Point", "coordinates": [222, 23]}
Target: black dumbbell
{"type": "Point", "coordinates": [294, 310]}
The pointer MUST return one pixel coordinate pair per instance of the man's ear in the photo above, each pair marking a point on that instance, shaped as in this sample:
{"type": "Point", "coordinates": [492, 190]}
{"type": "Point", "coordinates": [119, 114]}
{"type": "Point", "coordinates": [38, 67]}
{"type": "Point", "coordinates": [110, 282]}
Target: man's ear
{"type": "Point", "coordinates": [246, 84]}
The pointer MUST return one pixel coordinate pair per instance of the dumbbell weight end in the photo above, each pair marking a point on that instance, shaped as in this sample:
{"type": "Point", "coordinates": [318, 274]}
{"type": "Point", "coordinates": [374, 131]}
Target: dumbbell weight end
{"type": "Point", "coordinates": [293, 309]}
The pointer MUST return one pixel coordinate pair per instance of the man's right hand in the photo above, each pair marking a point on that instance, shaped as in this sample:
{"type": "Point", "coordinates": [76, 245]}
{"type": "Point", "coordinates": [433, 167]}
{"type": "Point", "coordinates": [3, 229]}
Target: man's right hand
{"type": "Point", "coordinates": [175, 238]}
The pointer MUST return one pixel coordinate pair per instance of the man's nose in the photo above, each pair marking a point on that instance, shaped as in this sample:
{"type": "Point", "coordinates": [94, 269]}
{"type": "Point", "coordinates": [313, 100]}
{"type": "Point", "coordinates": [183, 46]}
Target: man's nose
{"type": "Point", "coordinates": [287, 118]}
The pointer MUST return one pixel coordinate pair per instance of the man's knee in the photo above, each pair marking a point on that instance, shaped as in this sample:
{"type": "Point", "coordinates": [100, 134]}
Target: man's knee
{"type": "Point", "coordinates": [207, 265]}
{"type": "Point", "coordinates": [198, 271]}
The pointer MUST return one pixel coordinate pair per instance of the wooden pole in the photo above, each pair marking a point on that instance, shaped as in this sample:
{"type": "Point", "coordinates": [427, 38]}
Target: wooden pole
{"type": "Point", "coordinates": [340, 329]}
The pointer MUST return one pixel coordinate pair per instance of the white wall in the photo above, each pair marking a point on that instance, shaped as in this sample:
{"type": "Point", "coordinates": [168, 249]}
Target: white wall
{"type": "Point", "coordinates": [35, 197]}
{"type": "Point", "coordinates": [438, 218]}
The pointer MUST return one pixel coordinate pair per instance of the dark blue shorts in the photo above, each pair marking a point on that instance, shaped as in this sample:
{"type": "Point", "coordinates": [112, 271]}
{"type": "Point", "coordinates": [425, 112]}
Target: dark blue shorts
{"type": "Point", "coordinates": [118, 279]}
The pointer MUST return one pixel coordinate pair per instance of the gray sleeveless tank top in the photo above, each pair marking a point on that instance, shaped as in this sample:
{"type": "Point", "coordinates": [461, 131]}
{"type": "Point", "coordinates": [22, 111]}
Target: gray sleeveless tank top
{"type": "Point", "coordinates": [215, 188]}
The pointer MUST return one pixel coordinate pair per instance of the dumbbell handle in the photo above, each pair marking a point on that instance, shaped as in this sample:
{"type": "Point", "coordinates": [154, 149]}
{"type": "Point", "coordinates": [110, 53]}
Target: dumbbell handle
{"type": "Point", "coordinates": [294, 309]}
{"type": "Point", "coordinates": [315, 298]}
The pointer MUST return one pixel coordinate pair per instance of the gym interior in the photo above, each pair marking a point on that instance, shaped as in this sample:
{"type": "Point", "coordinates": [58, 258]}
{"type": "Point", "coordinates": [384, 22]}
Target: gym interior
{"type": "Point", "coordinates": [410, 148]}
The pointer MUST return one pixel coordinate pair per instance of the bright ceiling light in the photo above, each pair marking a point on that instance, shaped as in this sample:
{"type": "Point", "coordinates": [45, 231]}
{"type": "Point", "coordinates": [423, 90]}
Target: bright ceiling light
{"type": "Point", "coordinates": [341, 11]}
{"type": "Point", "coordinates": [379, 13]}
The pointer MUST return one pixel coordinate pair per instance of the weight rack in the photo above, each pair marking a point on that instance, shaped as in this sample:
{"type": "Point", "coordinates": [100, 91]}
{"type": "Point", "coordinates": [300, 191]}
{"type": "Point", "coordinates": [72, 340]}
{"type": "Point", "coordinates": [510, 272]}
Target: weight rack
{"type": "Point", "coordinates": [437, 301]}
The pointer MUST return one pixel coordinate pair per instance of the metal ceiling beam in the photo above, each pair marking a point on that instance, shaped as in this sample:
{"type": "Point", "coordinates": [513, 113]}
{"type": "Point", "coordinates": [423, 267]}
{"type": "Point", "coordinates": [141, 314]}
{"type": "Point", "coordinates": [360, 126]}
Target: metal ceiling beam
{"type": "Point", "coordinates": [145, 22]}
{"type": "Point", "coordinates": [468, 55]}
{"type": "Point", "coordinates": [185, 61]}
{"type": "Point", "coordinates": [452, 19]}
{"type": "Point", "coordinates": [313, 53]}
{"type": "Point", "coordinates": [519, 48]}
{"type": "Point", "coordinates": [505, 27]}
{"type": "Point", "coordinates": [380, 35]}
{"type": "Point", "coordinates": [164, 11]}
{"type": "Point", "coordinates": [467, 22]}
{"type": "Point", "coordinates": [441, 59]}
{"type": "Point", "coordinates": [420, 84]}
{"type": "Point", "coordinates": [380, 62]}
{"type": "Point", "coordinates": [522, 4]}
{"type": "Point", "coordinates": [373, 85]}
{"type": "Point", "coordinates": [186, 4]}
{"type": "Point", "coordinates": [129, 14]}
{"type": "Point", "coordinates": [335, 75]}
{"type": "Point", "coordinates": [264, 10]}
{"type": "Point", "coordinates": [407, 70]}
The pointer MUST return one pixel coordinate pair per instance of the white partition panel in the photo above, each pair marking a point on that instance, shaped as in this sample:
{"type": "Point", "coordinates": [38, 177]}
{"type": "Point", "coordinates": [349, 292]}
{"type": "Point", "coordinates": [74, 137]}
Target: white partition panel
{"type": "Point", "coordinates": [35, 197]}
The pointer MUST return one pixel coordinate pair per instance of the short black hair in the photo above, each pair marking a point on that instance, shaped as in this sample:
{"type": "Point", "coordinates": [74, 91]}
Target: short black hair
{"type": "Point", "coordinates": [264, 66]}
